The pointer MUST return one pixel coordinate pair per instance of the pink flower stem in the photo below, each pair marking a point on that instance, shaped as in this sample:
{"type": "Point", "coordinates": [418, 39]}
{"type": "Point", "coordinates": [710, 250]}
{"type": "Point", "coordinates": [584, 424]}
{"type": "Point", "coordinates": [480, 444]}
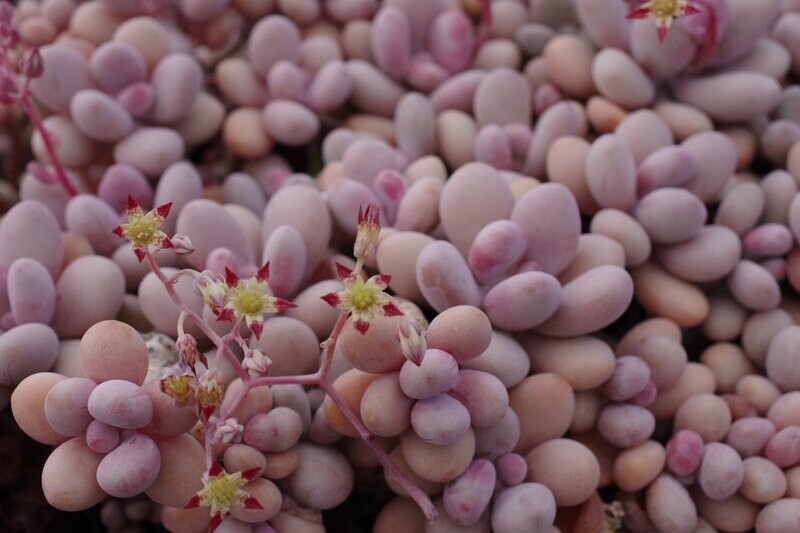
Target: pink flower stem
{"type": "Point", "coordinates": [414, 492]}
{"type": "Point", "coordinates": [197, 319]}
{"type": "Point", "coordinates": [319, 379]}
{"type": "Point", "coordinates": [36, 119]}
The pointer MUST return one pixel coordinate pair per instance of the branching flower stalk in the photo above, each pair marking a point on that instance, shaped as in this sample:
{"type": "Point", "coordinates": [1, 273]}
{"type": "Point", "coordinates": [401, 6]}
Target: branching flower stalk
{"type": "Point", "coordinates": [30, 67]}
{"type": "Point", "coordinates": [245, 302]}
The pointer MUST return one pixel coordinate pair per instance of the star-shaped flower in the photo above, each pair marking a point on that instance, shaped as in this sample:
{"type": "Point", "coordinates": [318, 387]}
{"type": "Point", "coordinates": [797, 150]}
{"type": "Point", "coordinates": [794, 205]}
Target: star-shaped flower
{"type": "Point", "coordinates": [143, 229]}
{"type": "Point", "coordinates": [363, 300]}
{"type": "Point", "coordinates": [664, 11]}
{"type": "Point", "coordinates": [250, 299]}
{"type": "Point", "coordinates": [222, 492]}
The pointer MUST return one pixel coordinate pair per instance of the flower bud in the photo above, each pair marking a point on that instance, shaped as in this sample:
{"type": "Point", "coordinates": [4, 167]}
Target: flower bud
{"type": "Point", "coordinates": [182, 245]}
{"type": "Point", "coordinates": [180, 387]}
{"type": "Point", "coordinates": [186, 346]}
{"type": "Point", "coordinates": [228, 431]}
{"type": "Point", "coordinates": [368, 230]}
{"type": "Point", "coordinates": [412, 341]}
{"type": "Point", "coordinates": [256, 363]}
{"type": "Point", "coordinates": [212, 289]}
{"type": "Point", "coordinates": [209, 392]}
{"type": "Point", "coordinates": [30, 64]}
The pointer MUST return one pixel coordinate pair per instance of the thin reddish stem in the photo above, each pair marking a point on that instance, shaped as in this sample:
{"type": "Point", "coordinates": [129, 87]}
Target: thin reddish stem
{"type": "Point", "coordinates": [36, 119]}
{"type": "Point", "coordinates": [414, 492]}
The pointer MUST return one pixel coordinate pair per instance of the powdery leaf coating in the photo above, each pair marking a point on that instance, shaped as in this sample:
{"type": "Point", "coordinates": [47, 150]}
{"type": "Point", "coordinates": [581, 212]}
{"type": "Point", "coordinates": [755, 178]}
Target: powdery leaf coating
{"type": "Point", "coordinates": [26, 350]}
{"type": "Point", "coordinates": [590, 302]}
{"type": "Point", "coordinates": [100, 117]}
{"type": "Point", "coordinates": [116, 65]}
{"type": "Point", "coordinates": [763, 481]}
{"type": "Point", "coordinates": [502, 98]}
{"type": "Point", "coordinates": [714, 155]}
{"type": "Point", "coordinates": [748, 436]}
{"type": "Point", "coordinates": [121, 404]}
{"type": "Point", "coordinates": [177, 80]}
{"type": "Point", "coordinates": [484, 396]}
{"type": "Point", "coordinates": [376, 350]}
{"type": "Point", "coordinates": [151, 150]}
{"type": "Point", "coordinates": [754, 287]}
{"type": "Point", "coordinates": [290, 123]}
{"type": "Point", "coordinates": [437, 373]}
{"type": "Point", "coordinates": [528, 506]}
{"type": "Point", "coordinates": [783, 448]}
{"type": "Point", "coordinates": [65, 406]}
{"type": "Point", "coordinates": [568, 468]}
{"type": "Point", "coordinates": [781, 515]}
{"type": "Point", "coordinates": [781, 358]}
{"type": "Point", "coordinates": [130, 468]}
{"type": "Point", "coordinates": [671, 215]}
{"type": "Point", "coordinates": [29, 229]}
{"type": "Point", "coordinates": [93, 218]}
{"type": "Point", "coordinates": [630, 377]}
{"type": "Point", "coordinates": [113, 350]}
{"type": "Point", "coordinates": [748, 94]}
{"type": "Point", "coordinates": [523, 301]}
{"type": "Point", "coordinates": [585, 362]}
{"type": "Point", "coordinates": [559, 120]}
{"type": "Point", "coordinates": [462, 331]}
{"type": "Point", "coordinates": [291, 345]}
{"type": "Point", "coordinates": [721, 472]}
{"type": "Point", "coordinates": [549, 218]}
{"type": "Point", "coordinates": [466, 498]}
{"type": "Point", "coordinates": [31, 292]}
{"type": "Point", "coordinates": [497, 248]}
{"type": "Point", "coordinates": [68, 477]}
{"type": "Point", "coordinates": [670, 166]}
{"type": "Point", "coordinates": [611, 172]}
{"type": "Point", "coordinates": [66, 72]}
{"type": "Point", "coordinates": [100, 303]}
{"type": "Point", "coordinates": [330, 88]}
{"type": "Point", "coordinates": [504, 358]}
{"type": "Point", "coordinates": [710, 255]}
{"type": "Point", "coordinates": [385, 409]}
{"type": "Point", "coordinates": [440, 420]}
{"type": "Point", "coordinates": [169, 418]}
{"type": "Point", "coordinates": [118, 182]}
{"type": "Point", "coordinates": [323, 478]}
{"type": "Point", "coordinates": [313, 310]}
{"type": "Point", "coordinates": [451, 37]}
{"type": "Point", "coordinates": [444, 277]}
{"type": "Point", "coordinates": [304, 209]}
{"type": "Point", "coordinates": [670, 507]}
{"type": "Point", "coordinates": [545, 405]}
{"type": "Point", "coordinates": [618, 77]}
{"type": "Point", "coordinates": [210, 226]}
{"type": "Point", "coordinates": [272, 39]}
{"type": "Point", "coordinates": [684, 452]}
{"type": "Point", "coordinates": [391, 41]}
{"type": "Point", "coordinates": [373, 91]}
{"type": "Point", "coordinates": [626, 425]}
{"type": "Point", "coordinates": [438, 463]}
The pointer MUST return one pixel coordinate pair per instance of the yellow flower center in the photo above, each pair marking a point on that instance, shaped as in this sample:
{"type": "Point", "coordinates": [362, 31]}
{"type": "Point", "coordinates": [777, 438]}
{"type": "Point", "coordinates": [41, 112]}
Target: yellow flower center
{"type": "Point", "coordinates": [224, 492]}
{"type": "Point", "coordinates": [665, 8]}
{"type": "Point", "coordinates": [361, 297]}
{"type": "Point", "coordinates": [210, 394]}
{"type": "Point", "coordinates": [247, 298]}
{"type": "Point", "coordinates": [141, 230]}
{"type": "Point", "coordinates": [179, 388]}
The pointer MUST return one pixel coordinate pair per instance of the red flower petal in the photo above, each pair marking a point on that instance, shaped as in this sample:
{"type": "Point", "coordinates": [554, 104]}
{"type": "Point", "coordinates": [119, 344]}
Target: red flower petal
{"type": "Point", "coordinates": [252, 503]}
{"type": "Point", "coordinates": [361, 216]}
{"type": "Point", "coordinates": [689, 9]}
{"type": "Point", "coordinates": [392, 310]}
{"type": "Point", "coordinates": [216, 520]}
{"type": "Point", "coordinates": [140, 253]}
{"type": "Point", "coordinates": [250, 474]}
{"type": "Point", "coordinates": [225, 315]}
{"type": "Point", "coordinates": [256, 326]}
{"type": "Point", "coordinates": [383, 280]}
{"type": "Point", "coordinates": [119, 231]}
{"type": "Point", "coordinates": [641, 13]}
{"type": "Point", "coordinates": [163, 210]}
{"type": "Point", "coordinates": [215, 469]}
{"type": "Point", "coordinates": [342, 271]}
{"type": "Point", "coordinates": [263, 273]}
{"type": "Point", "coordinates": [132, 204]}
{"type": "Point", "coordinates": [662, 33]}
{"type": "Point", "coordinates": [193, 502]}
{"type": "Point", "coordinates": [332, 299]}
{"type": "Point", "coordinates": [361, 326]}
{"type": "Point", "coordinates": [164, 242]}
{"type": "Point", "coordinates": [282, 305]}
{"type": "Point", "coordinates": [231, 278]}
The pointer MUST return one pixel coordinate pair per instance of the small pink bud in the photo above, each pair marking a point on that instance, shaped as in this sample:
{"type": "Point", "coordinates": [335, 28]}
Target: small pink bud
{"type": "Point", "coordinates": [186, 346]}
{"type": "Point", "coordinates": [412, 341]}
{"type": "Point", "coordinates": [256, 363]}
{"type": "Point", "coordinates": [30, 64]}
{"type": "Point", "coordinates": [369, 227]}
{"type": "Point", "coordinates": [182, 245]}
{"type": "Point", "coordinates": [228, 431]}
